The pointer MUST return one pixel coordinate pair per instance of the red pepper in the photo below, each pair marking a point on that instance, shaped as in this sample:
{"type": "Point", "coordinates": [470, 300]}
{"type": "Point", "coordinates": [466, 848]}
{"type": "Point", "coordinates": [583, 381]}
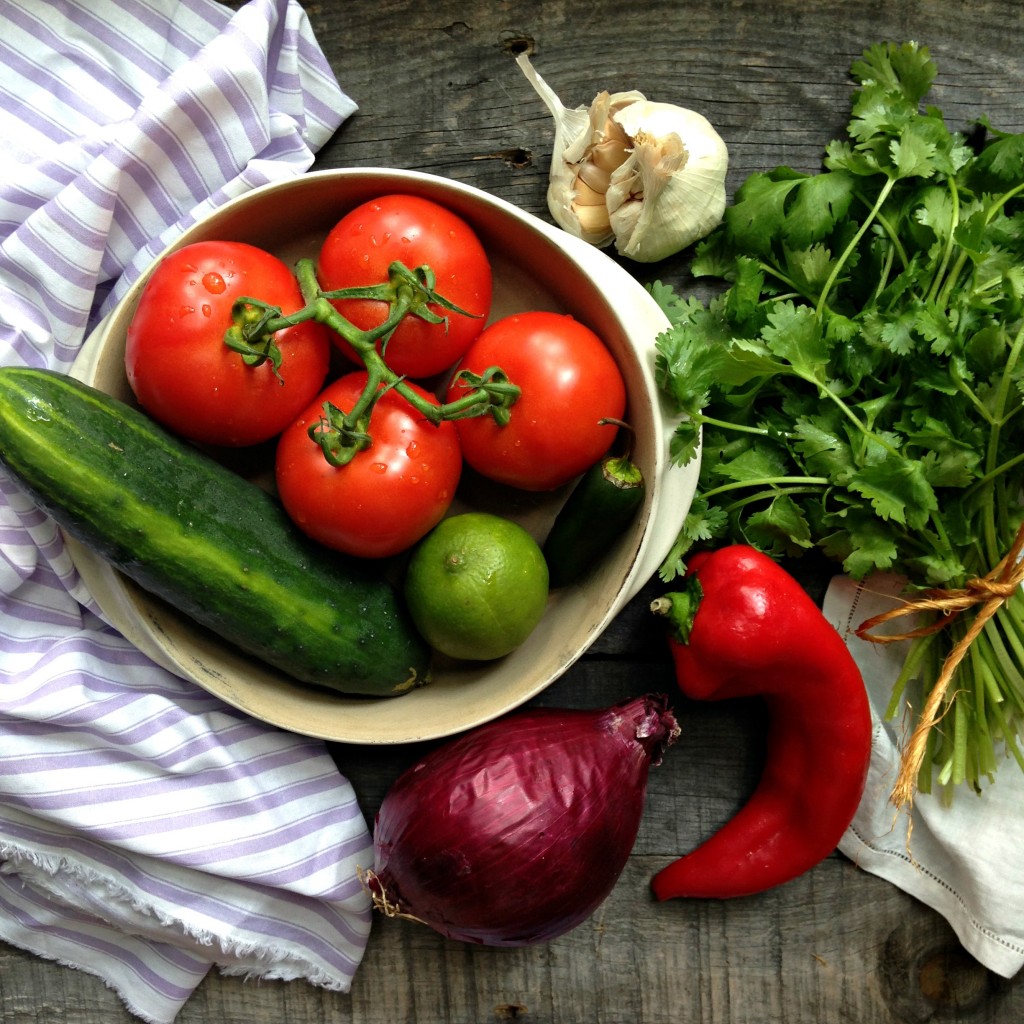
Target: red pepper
{"type": "Point", "coordinates": [744, 627]}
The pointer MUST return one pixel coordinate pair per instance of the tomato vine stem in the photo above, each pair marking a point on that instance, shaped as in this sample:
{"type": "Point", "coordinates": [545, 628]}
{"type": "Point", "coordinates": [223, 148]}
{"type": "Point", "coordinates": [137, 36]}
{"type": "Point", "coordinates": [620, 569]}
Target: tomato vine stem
{"type": "Point", "coordinates": [408, 293]}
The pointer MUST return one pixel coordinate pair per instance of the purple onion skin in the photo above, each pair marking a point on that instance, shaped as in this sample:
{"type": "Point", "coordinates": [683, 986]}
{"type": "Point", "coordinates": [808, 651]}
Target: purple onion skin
{"type": "Point", "coordinates": [515, 832]}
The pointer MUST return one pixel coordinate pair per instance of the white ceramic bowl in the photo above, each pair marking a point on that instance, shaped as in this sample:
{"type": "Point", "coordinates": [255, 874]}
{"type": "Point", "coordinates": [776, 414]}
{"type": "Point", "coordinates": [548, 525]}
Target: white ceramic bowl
{"type": "Point", "coordinates": [535, 266]}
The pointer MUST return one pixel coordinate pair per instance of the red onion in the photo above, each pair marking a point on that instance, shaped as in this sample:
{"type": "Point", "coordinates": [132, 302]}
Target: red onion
{"type": "Point", "coordinates": [516, 831]}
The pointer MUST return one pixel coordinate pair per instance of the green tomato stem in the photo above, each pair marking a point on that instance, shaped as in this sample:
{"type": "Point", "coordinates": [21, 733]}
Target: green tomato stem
{"type": "Point", "coordinates": [408, 292]}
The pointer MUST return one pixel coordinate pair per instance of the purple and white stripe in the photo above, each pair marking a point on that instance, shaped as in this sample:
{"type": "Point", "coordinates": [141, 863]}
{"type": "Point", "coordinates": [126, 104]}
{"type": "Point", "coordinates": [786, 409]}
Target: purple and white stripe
{"type": "Point", "coordinates": [147, 831]}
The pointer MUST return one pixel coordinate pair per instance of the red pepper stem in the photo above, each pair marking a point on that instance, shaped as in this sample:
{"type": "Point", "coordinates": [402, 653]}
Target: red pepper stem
{"type": "Point", "coordinates": [680, 608]}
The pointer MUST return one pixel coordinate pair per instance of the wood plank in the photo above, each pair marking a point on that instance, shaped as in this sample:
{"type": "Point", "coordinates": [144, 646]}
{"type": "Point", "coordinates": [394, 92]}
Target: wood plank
{"type": "Point", "coordinates": [438, 91]}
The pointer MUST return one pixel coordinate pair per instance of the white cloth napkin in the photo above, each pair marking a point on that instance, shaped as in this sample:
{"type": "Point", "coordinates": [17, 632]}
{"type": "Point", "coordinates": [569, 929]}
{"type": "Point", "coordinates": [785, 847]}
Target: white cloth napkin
{"type": "Point", "coordinates": [964, 858]}
{"type": "Point", "coordinates": [147, 831]}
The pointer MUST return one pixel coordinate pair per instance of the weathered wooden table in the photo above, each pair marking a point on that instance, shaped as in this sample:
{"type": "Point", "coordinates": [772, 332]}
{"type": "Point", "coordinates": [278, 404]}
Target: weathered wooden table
{"type": "Point", "coordinates": [438, 91]}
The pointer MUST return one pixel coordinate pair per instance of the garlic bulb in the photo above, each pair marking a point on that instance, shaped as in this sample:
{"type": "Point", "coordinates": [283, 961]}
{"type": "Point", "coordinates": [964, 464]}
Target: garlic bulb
{"type": "Point", "coordinates": [649, 177]}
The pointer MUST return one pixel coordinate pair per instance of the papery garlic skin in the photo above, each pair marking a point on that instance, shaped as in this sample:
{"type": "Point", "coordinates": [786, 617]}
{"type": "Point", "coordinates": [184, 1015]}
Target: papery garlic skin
{"type": "Point", "coordinates": [670, 191]}
{"type": "Point", "coordinates": [649, 177]}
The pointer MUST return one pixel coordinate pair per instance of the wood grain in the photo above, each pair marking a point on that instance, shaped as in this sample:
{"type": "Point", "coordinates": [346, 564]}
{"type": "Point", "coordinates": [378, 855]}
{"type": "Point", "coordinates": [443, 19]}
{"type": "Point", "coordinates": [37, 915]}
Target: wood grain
{"type": "Point", "coordinates": [438, 91]}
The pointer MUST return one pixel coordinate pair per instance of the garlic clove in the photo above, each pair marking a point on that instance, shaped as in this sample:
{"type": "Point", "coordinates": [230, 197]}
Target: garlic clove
{"type": "Point", "coordinates": [579, 132]}
{"type": "Point", "coordinates": [593, 179]}
{"type": "Point", "coordinates": [587, 194]}
{"type": "Point", "coordinates": [593, 222]}
{"type": "Point", "coordinates": [657, 169]}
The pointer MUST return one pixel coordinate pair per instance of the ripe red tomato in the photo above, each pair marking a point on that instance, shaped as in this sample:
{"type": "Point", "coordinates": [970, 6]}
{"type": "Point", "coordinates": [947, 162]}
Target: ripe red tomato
{"type": "Point", "coordinates": [361, 247]}
{"type": "Point", "coordinates": [390, 494]}
{"type": "Point", "coordinates": [569, 381]}
{"type": "Point", "coordinates": [184, 375]}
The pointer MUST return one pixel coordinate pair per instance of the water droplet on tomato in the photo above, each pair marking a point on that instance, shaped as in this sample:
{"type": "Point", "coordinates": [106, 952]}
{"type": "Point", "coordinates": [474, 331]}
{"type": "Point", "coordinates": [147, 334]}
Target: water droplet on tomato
{"type": "Point", "coordinates": [207, 309]}
{"type": "Point", "coordinates": [379, 467]}
{"type": "Point", "coordinates": [213, 283]}
{"type": "Point", "coordinates": [185, 310]}
{"type": "Point", "coordinates": [412, 448]}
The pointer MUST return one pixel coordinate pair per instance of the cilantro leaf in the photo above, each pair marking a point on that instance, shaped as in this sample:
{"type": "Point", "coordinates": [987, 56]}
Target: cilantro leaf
{"type": "Point", "coordinates": [702, 523]}
{"type": "Point", "coordinates": [904, 69]}
{"type": "Point", "coordinates": [675, 307]}
{"type": "Point", "coordinates": [819, 202]}
{"type": "Point", "coordinates": [758, 462]}
{"type": "Point", "coordinates": [758, 214]}
{"type": "Point", "coordinates": [825, 451]}
{"type": "Point", "coordinates": [810, 269]}
{"type": "Point", "coordinates": [863, 545]}
{"type": "Point", "coordinates": [998, 165]}
{"type": "Point", "coordinates": [913, 153]}
{"type": "Point", "coordinates": [898, 490]}
{"type": "Point", "coordinates": [794, 334]}
{"type": "Point", "coordinates": [780, 529]}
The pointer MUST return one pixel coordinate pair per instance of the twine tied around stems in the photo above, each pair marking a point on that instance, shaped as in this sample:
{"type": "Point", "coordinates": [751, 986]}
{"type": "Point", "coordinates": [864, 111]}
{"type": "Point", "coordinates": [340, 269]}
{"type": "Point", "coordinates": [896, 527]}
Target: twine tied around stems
{"type": "Point", "coordinates": [989, 592]}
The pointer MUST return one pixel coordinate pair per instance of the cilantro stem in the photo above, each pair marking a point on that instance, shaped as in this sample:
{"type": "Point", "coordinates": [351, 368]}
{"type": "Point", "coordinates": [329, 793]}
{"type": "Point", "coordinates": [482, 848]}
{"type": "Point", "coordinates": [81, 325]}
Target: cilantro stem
{"type": "Point", "coordinates": [812, 483]}
{"type": "Point", "coordinates": [765, 495]}
{"type": "Point", "coordinates": [883, 277]}
{"type": "Point", "coordinates": [893, 236]}
{"type": "Point", "coordinates": [992, 474]}
{"type": "Point", "coordinates": [848, 413]}
{"type": "Point", "coordinates": [1009, 671]}
{"type": "Point", "coordinates": [959, 759]}
{"type": "Point", "coordinates": [1006, 728]}
{"type": "Point", "coordinates": [999, 413]}
{"type": "Point", "coordinates": [852, 245]}
{"type": "Point", "coordinates": [968, 393]}
{"type": "Point", "coordinates": [919, 647]}
{"type": "Point", "coordinates": [700, 418]}
{"type": "Point", "coordinates": [1010, 618]}
{"type": "Point", "coordinates": [1006, 622]}
{"type": "Point", "coordinates": [951, 280]}
{"type": "Point", "coordinates": [777, 272]}
{"type": "Point", "coordinates": [991, 211]}
{"type": "Point", "coordinates": [947, 253]}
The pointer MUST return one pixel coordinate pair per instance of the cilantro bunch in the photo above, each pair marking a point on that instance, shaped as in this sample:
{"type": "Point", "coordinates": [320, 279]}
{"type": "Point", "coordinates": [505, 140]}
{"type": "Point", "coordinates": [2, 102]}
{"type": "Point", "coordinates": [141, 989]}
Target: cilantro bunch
{"type": "Point", "coordinates": [855, 385]}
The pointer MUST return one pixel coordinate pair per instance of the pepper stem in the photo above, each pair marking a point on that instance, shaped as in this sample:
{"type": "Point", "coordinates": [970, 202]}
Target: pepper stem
{"type": "Point", "coordinates": [680, 607]}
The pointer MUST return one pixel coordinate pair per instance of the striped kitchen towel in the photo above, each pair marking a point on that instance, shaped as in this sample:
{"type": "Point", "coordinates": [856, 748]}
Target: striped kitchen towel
{"type": "Point", "coordinates": [148, 832]}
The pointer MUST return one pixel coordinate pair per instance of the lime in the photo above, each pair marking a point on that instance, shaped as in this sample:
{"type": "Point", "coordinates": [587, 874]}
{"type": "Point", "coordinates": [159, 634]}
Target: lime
{"type": "Point", "coordinates": [476, 586]}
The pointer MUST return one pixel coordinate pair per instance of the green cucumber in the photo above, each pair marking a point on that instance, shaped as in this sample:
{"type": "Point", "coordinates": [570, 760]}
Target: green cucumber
{"type": "Point", "coordinates": [210, 543]}
{"type": "Point", "coordinates": [596, 513]}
